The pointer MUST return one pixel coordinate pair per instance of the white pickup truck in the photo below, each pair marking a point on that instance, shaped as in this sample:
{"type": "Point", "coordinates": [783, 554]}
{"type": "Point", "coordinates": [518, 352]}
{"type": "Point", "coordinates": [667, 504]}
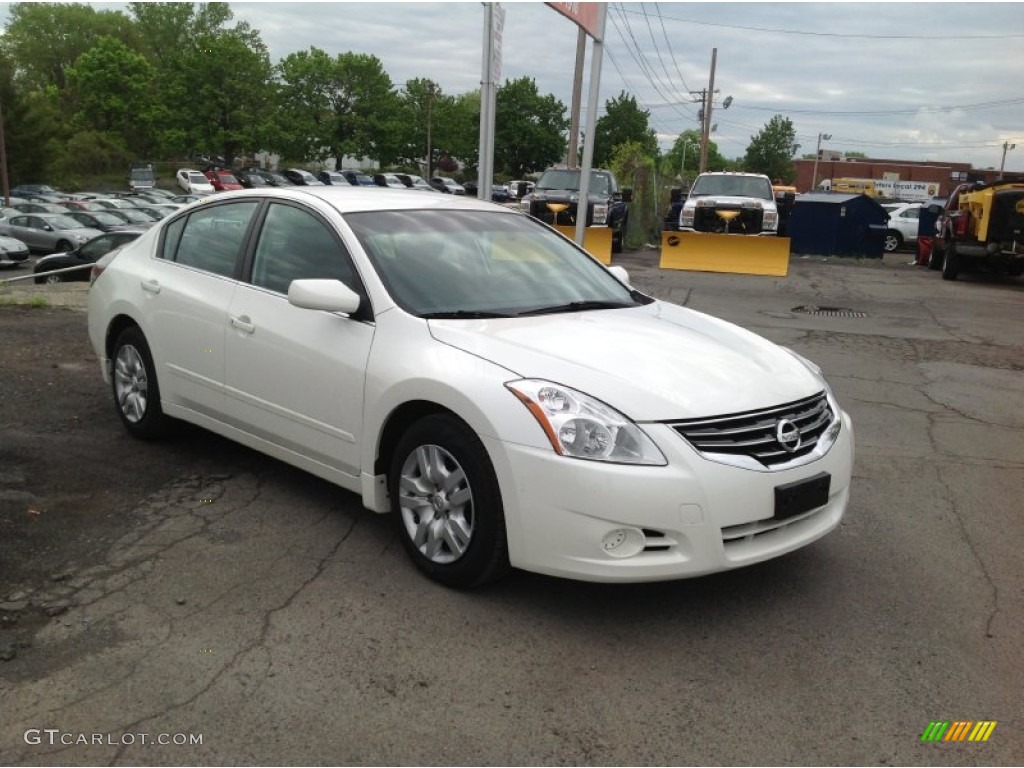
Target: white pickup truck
{"type": "Point", "coordinates": [730, 203]}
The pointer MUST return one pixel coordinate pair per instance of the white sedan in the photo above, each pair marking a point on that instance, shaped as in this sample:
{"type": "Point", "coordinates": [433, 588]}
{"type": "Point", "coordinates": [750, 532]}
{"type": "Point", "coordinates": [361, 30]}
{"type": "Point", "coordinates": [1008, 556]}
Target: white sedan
{"type": "Point", "coordinates": [465, 368]}
{"type": "Point", "coordinates": [193, 182]}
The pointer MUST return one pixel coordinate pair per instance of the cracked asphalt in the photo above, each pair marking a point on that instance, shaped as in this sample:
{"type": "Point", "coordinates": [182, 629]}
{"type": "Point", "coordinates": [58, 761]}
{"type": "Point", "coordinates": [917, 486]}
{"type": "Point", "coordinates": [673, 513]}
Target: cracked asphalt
{"type": "Point", "coordinates": [193, 588]}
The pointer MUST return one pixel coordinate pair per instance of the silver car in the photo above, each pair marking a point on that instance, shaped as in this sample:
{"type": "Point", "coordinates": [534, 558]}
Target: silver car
{"type": "Point", "coordinates": [13, 253]}
{"type": "Point", "coordinates": [47, 232]}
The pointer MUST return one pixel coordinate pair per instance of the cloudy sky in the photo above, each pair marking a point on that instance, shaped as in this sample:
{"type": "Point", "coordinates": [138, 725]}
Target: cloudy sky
{"type": "Point", "coordinates": [924, 81]}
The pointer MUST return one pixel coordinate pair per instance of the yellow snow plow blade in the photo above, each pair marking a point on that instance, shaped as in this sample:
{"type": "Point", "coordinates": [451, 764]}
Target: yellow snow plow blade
{"type": "Point", "coordinates": [597, 241]}
{"type": "Point", "coordinates": [739, 254]}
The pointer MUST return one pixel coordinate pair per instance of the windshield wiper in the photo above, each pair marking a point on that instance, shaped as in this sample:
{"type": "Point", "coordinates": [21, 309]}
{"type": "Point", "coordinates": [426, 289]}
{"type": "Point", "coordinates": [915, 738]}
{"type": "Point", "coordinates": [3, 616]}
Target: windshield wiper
{"type": "Point", "coordinates": [577, 306]}
{"type": "Point", "coordinates": [463, 314]}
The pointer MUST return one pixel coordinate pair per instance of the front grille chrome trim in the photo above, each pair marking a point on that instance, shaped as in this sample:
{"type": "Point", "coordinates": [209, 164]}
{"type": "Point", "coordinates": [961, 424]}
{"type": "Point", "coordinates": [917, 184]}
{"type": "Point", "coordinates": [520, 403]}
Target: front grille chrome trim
{"type": "Point", "coordinates": [747, 439]}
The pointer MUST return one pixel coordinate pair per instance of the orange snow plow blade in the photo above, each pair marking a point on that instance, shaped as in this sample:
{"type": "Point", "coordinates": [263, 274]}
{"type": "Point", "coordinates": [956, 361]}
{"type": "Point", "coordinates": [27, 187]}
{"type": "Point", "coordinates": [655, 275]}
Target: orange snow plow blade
{"type": "Point", "coordinates": [597, 241]}
{"type": "Point", "coordinates": [739, 254]}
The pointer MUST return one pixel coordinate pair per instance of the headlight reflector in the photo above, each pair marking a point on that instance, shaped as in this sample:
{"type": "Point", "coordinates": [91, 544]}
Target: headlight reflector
{"type": "Point", "coordinates": [582, 427]}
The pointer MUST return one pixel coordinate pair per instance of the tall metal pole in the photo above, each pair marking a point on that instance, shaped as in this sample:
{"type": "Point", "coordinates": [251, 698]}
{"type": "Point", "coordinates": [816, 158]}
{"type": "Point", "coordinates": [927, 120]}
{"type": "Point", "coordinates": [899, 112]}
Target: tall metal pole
{"type": "Point", "coordinates": [817, 155]}
{"type": "Point", "coordinates": [430, 144]}
{"type": "Point", "coordinates": [486, 149]}
{"type": "Point", "coordinates": [707, 114]}
{"type": "Point", "coordinates": [572, 157]}
{"type": "Point", "coordinates": [588, 142]}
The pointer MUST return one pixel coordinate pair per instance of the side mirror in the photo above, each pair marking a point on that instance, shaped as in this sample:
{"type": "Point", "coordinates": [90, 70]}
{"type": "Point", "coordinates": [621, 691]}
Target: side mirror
{"type": "Point", "coordinates": [325, 295]}
{"type": "Point", "coordinates": [627, 195]}
{"type": "Point", "coordinates": [675, 195]}
{"type": "Point", "coordinates": [621, 275]}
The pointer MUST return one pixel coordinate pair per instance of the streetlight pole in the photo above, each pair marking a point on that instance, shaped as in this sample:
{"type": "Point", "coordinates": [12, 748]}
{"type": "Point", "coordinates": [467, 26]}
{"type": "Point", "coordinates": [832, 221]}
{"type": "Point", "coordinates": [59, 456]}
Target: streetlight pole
{"type": "Point", "coordinates": [682, 165]}
{"type": "Point", "coordinates": [1006, 146]}
{"type": "Point", "coordinates": [817, 156]}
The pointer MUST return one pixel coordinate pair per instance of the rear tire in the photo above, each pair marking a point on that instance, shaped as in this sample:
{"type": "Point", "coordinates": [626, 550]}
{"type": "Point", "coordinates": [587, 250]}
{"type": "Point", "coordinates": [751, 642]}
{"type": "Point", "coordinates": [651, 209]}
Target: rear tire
{"type": "Point", "coordinates": [937, 257]}
{"type": "Point", "coordinates": [893, 241]}
{"type": "Point", "coordinates": [951, 262]}
{"type": "Point", "coordinates": [63, 246]}
{"type": "Point", "coordinates": [136, 390]}
{"type": "Point", "coordinates": [446, 503]}
{"type": "Point", "coordinates": [53, 279]}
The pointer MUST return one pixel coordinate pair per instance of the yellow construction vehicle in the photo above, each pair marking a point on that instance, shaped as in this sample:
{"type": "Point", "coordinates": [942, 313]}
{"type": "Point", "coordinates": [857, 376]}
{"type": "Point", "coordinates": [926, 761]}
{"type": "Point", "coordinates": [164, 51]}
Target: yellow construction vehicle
{"type": "Point", "coordinates": [981, 227]}
{"type": "Point", "coordinates": [728, 223]}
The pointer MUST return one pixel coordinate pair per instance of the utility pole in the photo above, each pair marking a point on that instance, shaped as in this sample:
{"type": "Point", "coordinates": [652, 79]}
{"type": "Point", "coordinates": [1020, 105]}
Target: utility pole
{"type": "Point", "coordinates": [706, 128]}
{"type": "Point", "coordinates": [1006, 147]}
{"type": "Point", "coordinates": [3, 162]}
{"type": "Point", "coordinates": [572, 158]}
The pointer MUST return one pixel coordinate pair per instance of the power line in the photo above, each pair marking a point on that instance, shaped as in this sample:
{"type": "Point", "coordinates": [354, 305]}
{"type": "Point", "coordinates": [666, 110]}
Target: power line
{"type": "Point", "coordinates": [880, 112]}
{"type": "Point", "coordinates": [929, 38]}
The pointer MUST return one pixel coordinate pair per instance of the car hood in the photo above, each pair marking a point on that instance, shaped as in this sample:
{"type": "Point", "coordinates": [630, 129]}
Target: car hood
{"type": "Point", "coordinates": [566, 195]}
{"type": "Point", "coordinates": [656, 362]}
{"type": "Point", "coordinates": [768, 205]}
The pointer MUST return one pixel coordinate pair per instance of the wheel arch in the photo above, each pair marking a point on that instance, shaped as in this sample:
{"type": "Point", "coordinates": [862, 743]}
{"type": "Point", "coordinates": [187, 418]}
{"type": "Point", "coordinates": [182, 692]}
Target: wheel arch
{"type": "Point", "coordinates": [114, 329]}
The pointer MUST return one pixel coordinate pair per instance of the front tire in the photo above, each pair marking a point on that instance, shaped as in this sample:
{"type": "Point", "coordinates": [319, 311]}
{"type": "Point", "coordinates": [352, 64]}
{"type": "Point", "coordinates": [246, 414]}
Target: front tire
{"type": "Point", "coordinates": [951, 262]}
{"type": "Point", "coordinates": [937, 257]}
{"type": "Point", "coordinates": [446, 503]}
{"type": "Point", "coordinates": [136, 391]}
{"type": "Point", "coordinates": [64, 246]}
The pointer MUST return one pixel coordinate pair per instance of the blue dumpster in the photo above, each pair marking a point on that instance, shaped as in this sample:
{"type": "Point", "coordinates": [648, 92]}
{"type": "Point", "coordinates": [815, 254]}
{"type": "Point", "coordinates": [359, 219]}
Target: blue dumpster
{"type": "Point", "coordinates": [838, 224]}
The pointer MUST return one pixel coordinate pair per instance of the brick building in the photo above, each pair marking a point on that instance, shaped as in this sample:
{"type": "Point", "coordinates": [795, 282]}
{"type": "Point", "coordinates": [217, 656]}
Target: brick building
{"type": "Point", "coordinates": [946, 175]}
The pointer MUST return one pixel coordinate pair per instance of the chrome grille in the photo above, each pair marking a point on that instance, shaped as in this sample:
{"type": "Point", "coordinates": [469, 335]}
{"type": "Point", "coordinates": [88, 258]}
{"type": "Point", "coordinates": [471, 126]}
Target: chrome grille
{"type": "Point", "coordinates": [754, 433]}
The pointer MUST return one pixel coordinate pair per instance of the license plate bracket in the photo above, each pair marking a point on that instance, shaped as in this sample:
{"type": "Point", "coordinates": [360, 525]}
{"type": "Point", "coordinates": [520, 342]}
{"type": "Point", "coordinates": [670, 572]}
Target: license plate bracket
{"type": "Point", "coordinates": [794, 499]}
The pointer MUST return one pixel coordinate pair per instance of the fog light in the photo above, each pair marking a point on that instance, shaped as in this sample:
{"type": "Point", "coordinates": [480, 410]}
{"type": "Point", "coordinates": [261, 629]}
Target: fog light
{"type": "Point", "coordinates": [623, 542]}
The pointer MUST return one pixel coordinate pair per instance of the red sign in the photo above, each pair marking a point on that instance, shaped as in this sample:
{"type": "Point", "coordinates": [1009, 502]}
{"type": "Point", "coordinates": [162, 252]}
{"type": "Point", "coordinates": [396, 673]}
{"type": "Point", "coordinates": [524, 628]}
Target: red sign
{"type": "Point", "coordinates": [586, 15]}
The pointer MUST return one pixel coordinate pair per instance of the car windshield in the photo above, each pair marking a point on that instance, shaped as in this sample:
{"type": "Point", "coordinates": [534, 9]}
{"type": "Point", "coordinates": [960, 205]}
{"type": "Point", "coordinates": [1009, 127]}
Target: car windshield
{"type": "Point", "coordinates": [137, 217]}
{"type": "Point", "coordinates": [467, 264]}
{"type": "Point", "coordinates": [735, 186]}
{"type": "Point", "coordinates": [106, 218]}
{"type": "Point", "coordinates": [63, 222]}
{"type": "Point", "coordinates": [227, 178]}
{"type": "Point", "coordinates": [600, 184]}
{"type": "Point", "coordinates": [141, 175]}
{"type": "Point", "coordinates": [198, 178]}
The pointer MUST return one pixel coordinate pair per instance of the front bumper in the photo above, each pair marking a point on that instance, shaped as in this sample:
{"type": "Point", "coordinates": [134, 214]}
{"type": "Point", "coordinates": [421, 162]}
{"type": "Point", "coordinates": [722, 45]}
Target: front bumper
{"type": "Point", "coordinates": [689, 518]}
{"type": "Point", "coordinates": [13, 258]}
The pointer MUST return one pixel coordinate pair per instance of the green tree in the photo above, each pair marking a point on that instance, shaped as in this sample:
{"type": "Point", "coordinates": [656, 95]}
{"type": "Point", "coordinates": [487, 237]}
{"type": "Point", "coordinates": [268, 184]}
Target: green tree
{"type": "Point", "coordinates": [111, 89]}
{"type": "Point", "coordinates": [166, 31]}
{"type": "Point", "coordinates": [225, 92]}
{"type": "Point", "coordinates": [336, 107]}
{"type": "Point", "coordinates": [45, 39]}
{"type": "Point", "coordinates": [633, 166]}
{"type": "Point", "coordinates": [688, 143]}
{"type": "Point", "coordinates": [772, 150]}
{"type": "Point", "coordinates": [530, 129]}
{"type": "Point", "coordinates": [31, 121]}
{"type": "Point", "coordinates": [622, 122]}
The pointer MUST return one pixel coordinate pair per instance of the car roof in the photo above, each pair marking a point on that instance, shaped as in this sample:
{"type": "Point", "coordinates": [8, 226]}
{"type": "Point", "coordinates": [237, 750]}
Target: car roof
{"type": "Point", "coordinates": [360, 199]}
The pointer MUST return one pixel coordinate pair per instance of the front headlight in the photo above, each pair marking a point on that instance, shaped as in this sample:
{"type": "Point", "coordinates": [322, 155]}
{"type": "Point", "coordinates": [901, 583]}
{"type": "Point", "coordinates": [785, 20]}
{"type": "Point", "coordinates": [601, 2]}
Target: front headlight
{"type": "Point", "coordinates": [585, 428]}
{"type": "Point", "coordinates": [686, 217]}
{"type": "Point", "coordinates": [600, 214]}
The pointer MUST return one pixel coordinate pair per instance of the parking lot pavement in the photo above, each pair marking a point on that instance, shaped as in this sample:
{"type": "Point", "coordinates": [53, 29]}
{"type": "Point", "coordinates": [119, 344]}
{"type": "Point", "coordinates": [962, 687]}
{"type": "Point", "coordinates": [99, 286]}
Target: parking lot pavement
{"type": "Point", "coordinates": [217, 595]}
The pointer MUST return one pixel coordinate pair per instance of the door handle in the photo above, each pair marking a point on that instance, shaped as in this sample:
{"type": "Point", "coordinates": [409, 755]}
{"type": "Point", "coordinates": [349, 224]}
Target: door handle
{"type": "Point", "coordinates": [153, 286]}
{"type": "Point", "coordinates": [243, 324]}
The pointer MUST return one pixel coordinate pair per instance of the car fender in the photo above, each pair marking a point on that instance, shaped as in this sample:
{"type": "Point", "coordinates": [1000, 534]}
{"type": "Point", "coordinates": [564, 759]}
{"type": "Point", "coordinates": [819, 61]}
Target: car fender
{"type": "Point", "coordinates": [407, 365]}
